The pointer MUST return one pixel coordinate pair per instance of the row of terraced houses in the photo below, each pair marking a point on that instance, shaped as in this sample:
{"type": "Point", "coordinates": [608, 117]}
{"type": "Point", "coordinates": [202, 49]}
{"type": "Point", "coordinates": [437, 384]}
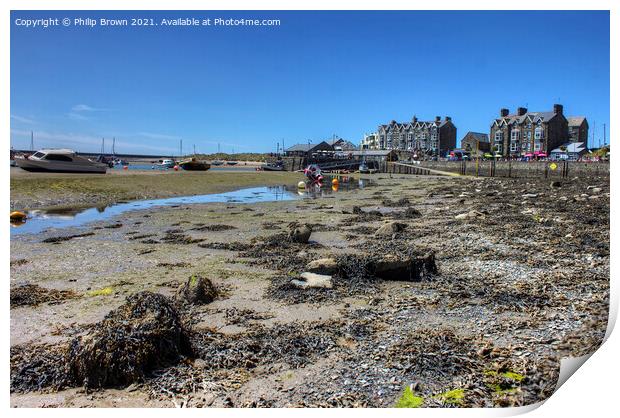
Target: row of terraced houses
{"type": "Point", "coordinates": [523, 133]}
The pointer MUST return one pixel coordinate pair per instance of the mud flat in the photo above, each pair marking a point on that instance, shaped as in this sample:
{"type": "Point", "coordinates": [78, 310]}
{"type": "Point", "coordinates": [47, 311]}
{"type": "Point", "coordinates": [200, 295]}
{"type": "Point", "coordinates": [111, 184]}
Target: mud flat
{"type": "Point", "coordinates": [43, 190]}
{"type": "Point", "coordinates": [455, 292]}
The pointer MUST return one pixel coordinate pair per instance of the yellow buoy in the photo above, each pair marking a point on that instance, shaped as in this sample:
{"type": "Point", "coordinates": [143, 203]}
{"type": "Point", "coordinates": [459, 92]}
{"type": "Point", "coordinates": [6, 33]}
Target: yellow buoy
{"type": "Point", "coordinates": [335, 182]}
{"type": "Point", "coordinates": [301, 185]}
{"type": "Point", "coordinates": [335, 187]}
{"type": "Point", "coordinates": [18, 216]}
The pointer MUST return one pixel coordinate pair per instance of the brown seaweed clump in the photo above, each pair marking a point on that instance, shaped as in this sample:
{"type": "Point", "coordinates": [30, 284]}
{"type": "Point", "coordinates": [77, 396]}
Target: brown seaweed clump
{"type": "Point", "coordinates": [196, 290]}
{"type": "Point", "coordinates": [33, 295]}
{"type": "Point", "coordinates": [143, 334]}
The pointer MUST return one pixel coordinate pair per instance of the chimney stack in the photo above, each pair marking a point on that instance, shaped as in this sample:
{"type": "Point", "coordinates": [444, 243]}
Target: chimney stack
{"type": "Point", "coordinates": [437, 118]}
{"type": "Point", "coordinates": [415, 119]}
{"type": "Point", "coordinates": [503, 112]}
{"type": "Point", "coordinates": [448, 118]}
{"type": "Point", "coordinates": [521, 111]}
{"type": "Point", "coordinates": [558, 109]}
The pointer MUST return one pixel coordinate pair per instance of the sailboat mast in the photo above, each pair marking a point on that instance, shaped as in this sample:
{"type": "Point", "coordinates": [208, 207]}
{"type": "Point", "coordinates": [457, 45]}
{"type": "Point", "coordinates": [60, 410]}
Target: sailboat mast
{"type": "Point", "coordinates": [31, 140]}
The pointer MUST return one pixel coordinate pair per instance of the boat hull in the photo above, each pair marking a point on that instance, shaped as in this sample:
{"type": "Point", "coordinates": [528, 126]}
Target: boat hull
{"type": "Point", "coordinates": [60, 167]}
{"type": "Point", "coordinates": [195, 166]}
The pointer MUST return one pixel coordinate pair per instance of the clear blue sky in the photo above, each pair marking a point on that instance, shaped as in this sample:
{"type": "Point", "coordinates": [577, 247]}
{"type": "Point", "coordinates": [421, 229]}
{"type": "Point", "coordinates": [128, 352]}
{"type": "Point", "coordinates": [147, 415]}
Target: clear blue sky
{"type": "Point", "coordinates": [317, 74]}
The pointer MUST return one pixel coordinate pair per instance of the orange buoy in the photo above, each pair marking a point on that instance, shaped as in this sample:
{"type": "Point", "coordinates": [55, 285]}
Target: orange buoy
{"type": "Point", "coordinates": [335, 182]}
{"type": "Point", "coordinates": [125, 167]}
{"type": "Point", "coordinates": [176, 168]}
{"type": "Point", "coordinates": [335, 187]}
{"type": "Point", "coordinates": [18, 216]}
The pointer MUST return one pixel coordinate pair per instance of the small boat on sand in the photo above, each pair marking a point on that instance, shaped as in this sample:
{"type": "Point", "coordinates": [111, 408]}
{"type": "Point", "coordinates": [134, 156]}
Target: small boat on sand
{"type": "Point", "coordinates": [232, 162]}
{"type": "Point", "coordinates": [194, 165]}
{"type": "Point", "coordinates": [217, 162]}
{"type": "Point", "coordinates": [277, 166]}
{"type": "Point", "coordinates": [59, 161]}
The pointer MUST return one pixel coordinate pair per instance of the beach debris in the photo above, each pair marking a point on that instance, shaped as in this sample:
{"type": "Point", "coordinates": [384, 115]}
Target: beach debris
{"type": "Point", "coordinates": [556, 184]}
{"type": "Point", "coordinates": [473, 214]}
{"type": "Point", "coordinates": [33, 295]}
{"type": "Point", "coordinates": [140, 335]}
{"type": "Point", "coordinates": [390, 228]}
{"type": "Point", "coordinates": [56, 240]}
{"type": "Point", "coordinates": [300, 233]}
{"type": "Point", "coordinates": [313, 280]}
{"type": "Point", "coordinates": [196, 290]}
{"type": "Point", "coordinates": [323, 266]}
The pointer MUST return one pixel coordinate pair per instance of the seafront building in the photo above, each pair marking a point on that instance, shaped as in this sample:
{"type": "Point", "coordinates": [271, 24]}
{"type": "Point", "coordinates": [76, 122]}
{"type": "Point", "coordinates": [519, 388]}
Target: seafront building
{"type": "Point", "coordinates": [434, 138]}
{"type": "Point", "coordinates": [526, 133]}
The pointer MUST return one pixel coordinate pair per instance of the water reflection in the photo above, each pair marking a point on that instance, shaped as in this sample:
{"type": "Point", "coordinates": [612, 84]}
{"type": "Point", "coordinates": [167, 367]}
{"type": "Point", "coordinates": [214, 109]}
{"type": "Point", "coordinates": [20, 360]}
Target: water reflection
{"type": "Point", "coordinates": [39, 220]}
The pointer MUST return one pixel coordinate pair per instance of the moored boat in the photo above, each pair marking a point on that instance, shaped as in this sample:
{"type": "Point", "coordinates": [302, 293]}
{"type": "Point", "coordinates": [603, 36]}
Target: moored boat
{"type": "Point", "coordinates": [194, 165]}
{"type": "Point", "coordinates": [277, 166]}
{"type": "Point", "coordinates": [60, 161]}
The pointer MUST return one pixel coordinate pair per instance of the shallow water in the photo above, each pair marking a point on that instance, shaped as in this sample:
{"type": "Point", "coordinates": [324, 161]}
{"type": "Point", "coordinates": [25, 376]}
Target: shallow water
{"type": "Point", "coordinates": [40, 220]}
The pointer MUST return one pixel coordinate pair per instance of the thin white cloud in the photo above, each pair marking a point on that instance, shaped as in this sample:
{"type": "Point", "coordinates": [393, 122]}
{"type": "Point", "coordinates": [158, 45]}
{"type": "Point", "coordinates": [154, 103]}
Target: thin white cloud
{"type": "Point", "coordinates": [76, 116]}
{"type": "Point", "coordinates": [23, 119]}
{"type": "Point", "coordinates": [157, 136]}
{"type": "Point", "coordinates": [85, 108]}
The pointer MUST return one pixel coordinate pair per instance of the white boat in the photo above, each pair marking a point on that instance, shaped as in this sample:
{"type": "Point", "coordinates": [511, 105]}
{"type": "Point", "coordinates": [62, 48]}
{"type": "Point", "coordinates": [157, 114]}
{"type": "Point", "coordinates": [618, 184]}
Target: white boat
{"type": "Point", "coordinates": [59, 161]}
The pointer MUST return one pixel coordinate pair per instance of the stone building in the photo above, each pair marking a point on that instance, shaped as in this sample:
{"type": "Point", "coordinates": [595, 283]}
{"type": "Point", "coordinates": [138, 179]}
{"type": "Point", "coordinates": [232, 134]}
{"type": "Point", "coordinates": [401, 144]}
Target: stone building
{"type": "Point", "coordinates": [528, 133]}
{"type": "Point", "coordinates": [427, 138]}
{"type": "Point", "coordinates": [578, 130]}
{"type": "Point", "coordinates": [473, 141]}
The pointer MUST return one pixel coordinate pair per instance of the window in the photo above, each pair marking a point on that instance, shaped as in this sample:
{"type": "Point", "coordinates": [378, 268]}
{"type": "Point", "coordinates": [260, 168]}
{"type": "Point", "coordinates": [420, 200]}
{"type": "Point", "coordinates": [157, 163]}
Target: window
{"type": "Point", "coordinates": [58, 157]}
{"type": "Point", "coordinates": [539, 133]}
{"type": "Point", "coordinates": [38, 154]}
{"type": "Point", "coordinates": [514, 135]}
{"type": "Point", "coordinates": [537, 146]}
{"type": "Point", "coordinates": [499, 148]}
{"type": "Point", "coordinates": [526, 146]}
{"type": "Point", "coordinates": [499, 136]}
{"type": "Point", "coordinates": [514, 146]}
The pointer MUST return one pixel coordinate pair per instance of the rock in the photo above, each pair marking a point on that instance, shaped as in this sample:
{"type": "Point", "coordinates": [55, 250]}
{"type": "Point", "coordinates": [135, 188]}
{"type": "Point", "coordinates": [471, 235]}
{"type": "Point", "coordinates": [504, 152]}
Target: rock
{"type": "Point", "coordinates": [389, 229]}
{"type": "Point", "coordinates": [300, 234]}
{"type": "Point", "coordinates": [556, 184]}
{"type": "Point", "coordinates": [469, 215]}
{"type": "Point", "coordinates": [323, 266]}
{"type": "Point", "coordinates": [529, 196]}
{"type": "Point", "coordinates": [313, 280]}
{"type": "Point", "coordinates": [596, 190]}
{"type": "Point", "coordinates": [196, 291]}
{"type": "Point", "coordinates": [391, 267]}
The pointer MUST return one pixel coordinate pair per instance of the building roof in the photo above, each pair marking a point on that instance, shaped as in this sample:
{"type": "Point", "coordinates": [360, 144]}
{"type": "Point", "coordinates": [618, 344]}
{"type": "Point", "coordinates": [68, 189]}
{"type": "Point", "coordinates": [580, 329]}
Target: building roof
{"type": "Point", "coordinates": [479, 136]}
{"type": "Point", "coordinates": [304, 147]}
{"type": "Point", "coordinates": [372, 152]}
{"type": "Point", "coordinates": [575, 120]}
{"type": "Point", "coordinates": [571, 147]}
{"type": "Point", "coordinates": [534, 117]}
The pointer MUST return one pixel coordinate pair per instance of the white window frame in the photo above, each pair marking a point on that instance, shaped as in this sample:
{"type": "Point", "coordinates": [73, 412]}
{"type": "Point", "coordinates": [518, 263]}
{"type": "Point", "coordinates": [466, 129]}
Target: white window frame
{"type": "Point", "coordinates": [499, 137]}
{"type": "Point", "coordinates": [539, 133]}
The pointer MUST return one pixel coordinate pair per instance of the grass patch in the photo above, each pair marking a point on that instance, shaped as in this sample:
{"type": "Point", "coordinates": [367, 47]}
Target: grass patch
{"type": "Point", "coordinates": [106, 291]}
{"type": "Point", "coordinates": [454, 396]}
{"type": "Point", "coordinates": [409, 400]}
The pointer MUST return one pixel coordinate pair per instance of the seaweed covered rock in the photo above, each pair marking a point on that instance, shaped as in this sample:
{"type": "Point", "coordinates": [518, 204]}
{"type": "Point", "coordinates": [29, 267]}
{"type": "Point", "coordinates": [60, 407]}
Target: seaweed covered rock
{"type": "Point", "coordinates": [197, 290]}
{"type": "Point", "coordinates": [390, 228]}
{"type": "Point", "coordinates": [300, 233]}
{"type": "Point", "coordinates": [323, 266]}
{"type": "Point", "coordinates": [411, 268]}
{"type": "Point", "coordinates": [143, 334]}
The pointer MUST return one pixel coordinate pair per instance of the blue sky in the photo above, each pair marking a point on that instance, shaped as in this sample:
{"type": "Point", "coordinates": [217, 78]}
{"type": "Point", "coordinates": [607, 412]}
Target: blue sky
{"type": "Point", "coordinates": [315, 75]}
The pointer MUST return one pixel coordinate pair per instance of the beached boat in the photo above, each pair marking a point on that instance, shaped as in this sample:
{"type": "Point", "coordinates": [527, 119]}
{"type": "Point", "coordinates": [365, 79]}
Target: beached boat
{"type": "Point", "coordinates": [232, 162]}
{"type": "Point", "coordinates": [194, 165]}
{"type": "Point", "coordinates": [277, 166]}
{"type": "Point", "coordinates": [60, 161]}
{"type": "Point", "coordinates": [217, 162]}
